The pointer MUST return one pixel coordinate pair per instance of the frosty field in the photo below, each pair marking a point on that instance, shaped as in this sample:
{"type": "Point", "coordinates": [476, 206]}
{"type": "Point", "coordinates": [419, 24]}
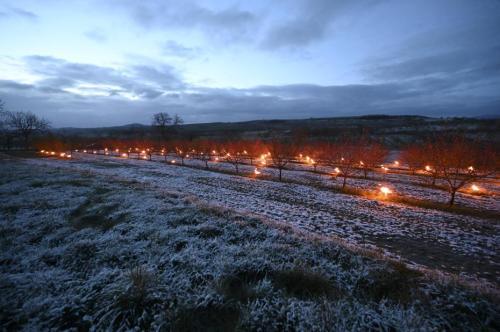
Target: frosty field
{"type": "Point", "coordinates": [107, 243]}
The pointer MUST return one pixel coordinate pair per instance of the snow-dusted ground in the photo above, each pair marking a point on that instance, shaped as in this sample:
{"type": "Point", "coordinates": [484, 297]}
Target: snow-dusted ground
{"type": "Point", "coordinates": [75, 234]}
{"type": "Point", "coordinates": [454, 243]}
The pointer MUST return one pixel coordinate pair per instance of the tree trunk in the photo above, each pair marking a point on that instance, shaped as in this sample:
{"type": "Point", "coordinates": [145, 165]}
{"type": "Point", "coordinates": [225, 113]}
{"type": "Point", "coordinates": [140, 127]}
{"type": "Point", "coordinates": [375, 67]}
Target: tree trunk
{"type": "Point", "coordinates": [452, 198]}
{"type": "Point", "coordinates": [236, 168]}
{"type": "Point", "coordinates": [280, 174]}
{"type": "Point", "coordinates": [343, 183]}
{"type": "Point", "coordinates": [314, 168]}
{"type": "Point", "coordinates": [182, 161]}
{"type": "Point", "coordinates": [206, 164]}
{"type": "Point", "coordinates": [365, 172]}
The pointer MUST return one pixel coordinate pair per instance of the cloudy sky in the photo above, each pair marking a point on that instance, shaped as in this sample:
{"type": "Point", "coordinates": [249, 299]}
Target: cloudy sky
{"type": "Point", "coordinates": [111, 62]}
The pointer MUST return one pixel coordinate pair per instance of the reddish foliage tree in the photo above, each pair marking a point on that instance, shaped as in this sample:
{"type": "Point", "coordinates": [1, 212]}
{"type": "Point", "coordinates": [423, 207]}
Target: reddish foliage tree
{"type": "Point", "coordinates": [371, 156]}
{"type": "Point", "coordinates": [460, 161]}
{"type": "Point", "coordinates": [235, 154]}
{"type": "Point", "coordinates": [281, 154]}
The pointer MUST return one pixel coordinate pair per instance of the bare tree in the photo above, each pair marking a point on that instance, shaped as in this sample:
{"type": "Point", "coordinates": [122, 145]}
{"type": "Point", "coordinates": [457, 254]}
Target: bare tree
{"type": "Point", "coordinates": [26, 124]}
{"type": "Point", "coordinates": [461, 161]}
{"type": "Point", "coordinates": [203, 151]}
{"type": "Point", "coordinates": [161, 122]}
{"type": "Point", "coordinates": [371, 156]}
{"type": "Point", "coordinates": [413, 156]}
{"type": "Point", "coordinates": [345, 156]}
{"type": "Point", "coordinates": [281, 154]}
{"type": "Point", "coordinates": [235, 154]}
{"type": "Point", "coordinates": [177, 120]}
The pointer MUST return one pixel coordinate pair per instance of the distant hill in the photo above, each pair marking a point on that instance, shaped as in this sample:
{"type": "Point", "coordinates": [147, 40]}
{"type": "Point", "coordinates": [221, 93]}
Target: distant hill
{"type": "Point", "coordinates": [393, 130]}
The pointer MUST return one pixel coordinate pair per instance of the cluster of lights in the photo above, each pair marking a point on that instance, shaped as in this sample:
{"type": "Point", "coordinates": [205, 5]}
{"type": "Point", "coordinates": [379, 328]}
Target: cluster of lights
{"type": "Point", "coordinates": [53, 153]}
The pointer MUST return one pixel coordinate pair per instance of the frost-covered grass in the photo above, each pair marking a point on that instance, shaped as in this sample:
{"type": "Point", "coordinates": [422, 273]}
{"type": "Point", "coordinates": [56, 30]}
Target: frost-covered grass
{"type": "Point", "coordinates": [156, 248]}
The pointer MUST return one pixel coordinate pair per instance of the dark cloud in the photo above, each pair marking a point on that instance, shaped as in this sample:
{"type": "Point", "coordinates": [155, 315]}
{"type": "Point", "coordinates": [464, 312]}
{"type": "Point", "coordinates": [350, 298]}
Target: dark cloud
{"type": "Point", "coordinates": [228, 24]}
{"type": "Point", "coordinates": [311, 22]}
{"type": "Point", "coordinates": [96, 35]}
{"type": "Point", "coordinates": [264, 102]}
{"type": "Point", "coordinates": [143, 81]}
{"type": "Point", "coordinates": [18, 12]}
{"type": "Point", "coordinates": [175, 49]}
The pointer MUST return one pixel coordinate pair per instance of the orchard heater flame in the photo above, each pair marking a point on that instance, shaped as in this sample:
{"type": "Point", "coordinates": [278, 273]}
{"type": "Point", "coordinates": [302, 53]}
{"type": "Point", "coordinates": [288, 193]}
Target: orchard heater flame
{"type": "Point", "coordinates": [256, 171]}
{"type": "Point", "coordinates": [385, 191]}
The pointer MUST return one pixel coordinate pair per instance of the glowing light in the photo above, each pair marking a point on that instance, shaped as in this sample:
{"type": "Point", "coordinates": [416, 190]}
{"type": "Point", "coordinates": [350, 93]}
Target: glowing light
{"type": "Point", "coordinates": [187, 156]}
{"type": "Point", "coordinates": [117, 150]}
{"type": "Point", "coordinates": [62, 154]}
{"type": "Point", "coordinates": [216, 158]}
{"type": "Point", "coordinates": [470, 168]}
{"type": "Point", "coordinates": [172, 162]}
{"type": "Point", "coordinates": [428, 168]}
{"type": "Point", "coordinates": [84, 151]}
{"type": "Point", "coordinates": [245, 152]}
{"type": "Point", "coordinates": [94, 152]}
{"type": "Point", "coordinates": [475, 188]}
{"type": "Point", "coordinates": [361, 163]}
{"type": "Point", "coordinates": [214, 152]}
{"type": "Point", "coordinates": [256, 171]}
{"type": "Point", "coordinates": [124, 155]}
{"type": "Point", "coordinates": [144, 157]}
{"type": "Point", "coordinates": [68, 156]}
{"type": "Point", "coordinates": [105, 149]}
{"type": "Point", "coordinates": [336, 170]}
{"type": "Point", "coordinates": [386, 191]}
{"type": "Point", "coordinates": [396, 163]}
{"type": "Point", "coordinates": [42, 151]}
{"type": "Point", "coordinates": [143, 151]}
{"type": "Point", "coordinates": [53, 153]}
{"type": "Point", "coordinates": [385, 169]}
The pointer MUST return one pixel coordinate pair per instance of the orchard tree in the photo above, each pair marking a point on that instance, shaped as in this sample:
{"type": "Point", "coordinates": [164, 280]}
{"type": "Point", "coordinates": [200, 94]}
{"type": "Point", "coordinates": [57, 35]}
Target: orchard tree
{"type": "Point", "coordinates": [414, 157]}
{"type": "Point", "coordinates": [235, 154]}
{"type": "Point", "coordinates": [203, 151]}
{"type": "Point", "coordinates": [281, 154]}
{"type": "Point", "coordinates": [344, 157]}
{"type": "Point", "coordinates": [371, 156]}
{"type": "Point", "coordinates": [461, 161]}
{"type": "Point", "coordinates": [253, 149]}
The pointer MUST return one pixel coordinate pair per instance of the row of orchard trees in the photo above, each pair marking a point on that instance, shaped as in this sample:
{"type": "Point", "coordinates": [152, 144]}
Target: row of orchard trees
{"type": "Point", "coordinates": [453, 159]}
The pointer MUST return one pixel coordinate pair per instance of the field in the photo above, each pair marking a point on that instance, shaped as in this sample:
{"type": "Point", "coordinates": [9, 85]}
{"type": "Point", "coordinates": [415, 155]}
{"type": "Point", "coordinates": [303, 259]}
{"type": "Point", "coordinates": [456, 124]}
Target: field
{"type": "Point", "coordinates": [106, 242]}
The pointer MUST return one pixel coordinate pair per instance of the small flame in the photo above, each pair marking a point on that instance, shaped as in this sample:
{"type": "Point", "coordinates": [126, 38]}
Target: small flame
{"type": "Point", "coordinates": [256, 171]}
{"type": "Point", "coordinates": [470, 168]}
{"type": "Point", "coordinates": [62, 154]}
{"type": "Point", "coordinates": [124, 155]}
{"type": "Point", "coordinates": [475, 188]}
{"type": "Point", "coordinates": [172, 162]}
{"type": "Point", "coordinates": [386, 191]}
{"type": "Point", "coordinates": [396, 163]}
{"type": "Point", "coordinates": [337, 170]}
{"type": "Point", "coordinates": [428, 168]}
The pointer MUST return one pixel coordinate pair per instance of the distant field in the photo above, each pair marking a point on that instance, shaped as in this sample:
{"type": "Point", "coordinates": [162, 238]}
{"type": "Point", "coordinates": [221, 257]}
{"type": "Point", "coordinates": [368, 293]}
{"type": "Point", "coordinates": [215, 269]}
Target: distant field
{"type": "Point", "coordinates": [101, 242]}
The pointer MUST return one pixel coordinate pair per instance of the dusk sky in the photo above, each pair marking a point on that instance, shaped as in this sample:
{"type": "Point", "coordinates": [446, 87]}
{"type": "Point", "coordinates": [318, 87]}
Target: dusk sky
{"type": "Point", "coordinates": [101, 63]}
